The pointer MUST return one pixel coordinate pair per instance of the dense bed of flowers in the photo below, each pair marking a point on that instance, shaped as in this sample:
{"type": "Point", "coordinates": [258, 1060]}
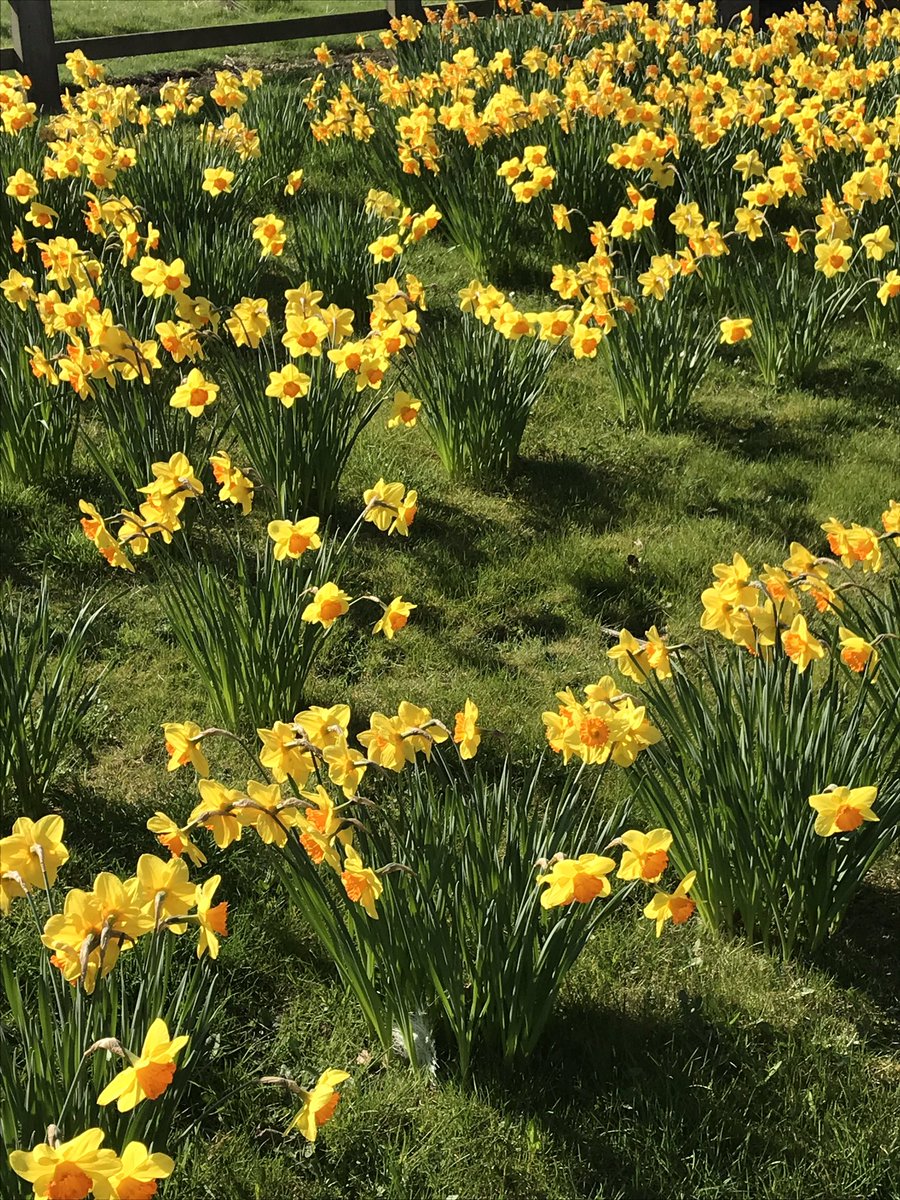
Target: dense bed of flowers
{"type": "Point", "coordinates": [702, 164]}
{"type": "Point", "coordinates": [187, 307]}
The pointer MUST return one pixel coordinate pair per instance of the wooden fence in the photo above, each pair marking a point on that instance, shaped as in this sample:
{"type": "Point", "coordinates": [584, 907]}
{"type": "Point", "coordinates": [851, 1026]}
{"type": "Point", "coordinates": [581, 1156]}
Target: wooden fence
{"type": "Point", "coordinates": [36, 52]}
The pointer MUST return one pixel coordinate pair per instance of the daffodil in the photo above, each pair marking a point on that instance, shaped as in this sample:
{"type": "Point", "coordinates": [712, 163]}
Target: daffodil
{"type": "Point", "coordinates": [284, 754]}
{"type": "Point", "coordinates": [293, 183]}
{"type": "Point", "coordinates": [217, 180]}
{"type": "Point", "coordinates": [404, 411]}
{"type": "Point", "coordinates": [843, 809]}
{"type": "Point", "coordinates": [854, 544]}
{"type": "Point", "coordinates": [175, 839]}
{"type": "Point", "coordinates": [733, 579]}
{"type": "Point", "coordinates": [879, 244]}
{"type": "Point", "coordinates": [324, 726]}
{"type": "Point", "coordinates": [164, 888]}
{"type": "Point", "coordinates": [294, 538]}
{"type": "Point", "coordinates": [406, 512]}
{"type": "Point", "coordinates": [833, 257]}
{"type": "Point", "coordinates": [94, 927]}
{"type": "Point", "coordinates": [346, 766]}
{"type": "Point", "coordinates": [646, 854]}
{"type": "Point", "coordinates": [149, 1074]}
{"type": "Point", "coordinates": [267, 813]}
{"type": "Point", "coordinates": [328, 603]}
{"type": "Point", "coordinates": [216, 812]}
{"type": "Point", "coordinates": [735, 330]}
{"type": "Point", "coordinates": [21, 186]}
{"type": "Point", "coordinates": [889, 288]}
{"type": "Point", "coordinates": [676, 906]}
{"type": "Point", "coordinates": [319, 1105]}
{"type": "Point", "coordinates": [212, 918]}
{"type": "Point", "coordinates": [466, 731]}
{"type": "Point", "coordinates": [249, 321]}
{"type": "Point", "coordinates": [800, 645]}
{"type": "Point", "coordinates": [183, 746]}
{"type": "Point", "coordinates": [195, 393]}
{"type": "Point", "coordinates": [234, 486]}
{"type": "Point", "coordinates": [35, 850]}
{"type": "Point", "coordinates": [18, 289]}
{"type": "Point", "coordinates": [630, 657]}
{"type": "Point", "coordinates": [394, 618]}
{"type": "Point", "coordinates": [382, 502]}
{"type": "Point", "coordinates": [319, 825]}
{"type": "Point", "coordinates": [304, 335]}
{"type": "Point", "coordinates": [419, 729]}
{"type": "Point", "coordinates": [67, 1170]}
{"type": "Point", "coordinates": [138, 1173]}
{"type": "Point", "coordinates": [269, 232]}
{"type": "Point", "coordinates": [856, 652]}
{"type": "Point", "coordinates": [385, 249]}
{"type": "Point", "coordinates": [175, 476]}
{"type": "Point", "coordinates": [288, 384]}
{"type": "Point", "coordinates": [361, 883]}
{"type": "Point", "coordinates": [576, 880]}
{"type": "Point", "coordinates": [657, 653]}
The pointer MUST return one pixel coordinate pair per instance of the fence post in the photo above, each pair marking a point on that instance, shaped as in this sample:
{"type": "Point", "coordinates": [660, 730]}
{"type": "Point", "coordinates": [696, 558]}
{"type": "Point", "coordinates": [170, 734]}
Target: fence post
{"type": "Point", "coordinates": [406, 8]}
{"type": "Point", "coordinates": [35, 46]}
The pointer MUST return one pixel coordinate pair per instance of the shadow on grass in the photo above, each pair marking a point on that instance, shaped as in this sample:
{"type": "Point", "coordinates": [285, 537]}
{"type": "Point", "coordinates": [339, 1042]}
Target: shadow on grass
{"type": "Point", "coordinates": [557, 489]}
{"type": "Point", "coordinates": [774, 516]}
{"type": "Point", "coordinates": [630, 602]}
{"type": "Point", "coordinates": [558, 486]}
{"type": "Point", "coordinates": [871, 383]}
{"type": "Point", "coordinates": [864, 955]}
{"type": "Point", "coordinates": [108, 834]}
{"type": "Point", "coordinates": [447, 533]}
{"type": "Point", "coordinates": [670, 1093]}
{"type": "Point", "coordinates": [756, 438]}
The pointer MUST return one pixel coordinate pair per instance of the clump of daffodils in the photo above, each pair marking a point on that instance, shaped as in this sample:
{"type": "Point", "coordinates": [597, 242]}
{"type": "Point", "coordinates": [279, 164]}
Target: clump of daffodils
{"type": "Point", "coordinates": [96, 926]}
{"type": "Point", "coordinates": [292, 804]}
{"type": "Point", "coordinates": [83, 1166]}
{"type": "Point", "coordinates": [606, 725]}
{"type": "Point", "coordinates": [772, 611]}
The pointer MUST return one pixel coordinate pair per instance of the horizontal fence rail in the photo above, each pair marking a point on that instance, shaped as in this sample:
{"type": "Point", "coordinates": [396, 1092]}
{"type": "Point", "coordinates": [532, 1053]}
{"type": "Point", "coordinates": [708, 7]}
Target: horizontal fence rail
{"type": "Point", "coordinates": [36, 52]}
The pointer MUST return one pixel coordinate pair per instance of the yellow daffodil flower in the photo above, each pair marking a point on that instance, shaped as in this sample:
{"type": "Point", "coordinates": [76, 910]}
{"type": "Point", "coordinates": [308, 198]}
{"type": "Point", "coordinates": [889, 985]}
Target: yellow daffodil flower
{"type": "Point", "coordinates": [212, 918]}
{"type": "Point", "coordinates": [646, 854]}
{"type": "Point", "coordinates": [149, 1074]}
{"type": "Point", "coordinates": [139, 1170]}
{"type": "Point", "coordinates": [576, 880]}
{"type": "Point", "coordinates": [70, 1169]}
{"type": "Point", "coordinates": [328, 603]}
{"type": "Point", "coordinates": [361, 883]}
{"type": "Point", "coordinates": [293, 538]}
{"type": "Point", "coordinates": [466, 732]}
{"type": "Point", "coordinates": [319, 1105]}
{"type": "Point", "coordinates": [843, 809]}
{"type": "Point", "coordinates": [856, 652]}
{"type": "Point", "coordinates": [676, 906]}
{"type": "Point", "coordinates": [394, 617]}
{"type": "Point", "coordinates": [183, 746]}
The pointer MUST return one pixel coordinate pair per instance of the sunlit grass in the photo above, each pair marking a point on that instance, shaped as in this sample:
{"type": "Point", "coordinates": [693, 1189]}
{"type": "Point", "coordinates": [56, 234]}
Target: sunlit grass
{"type": "Point", "coordinates": [74, 19]}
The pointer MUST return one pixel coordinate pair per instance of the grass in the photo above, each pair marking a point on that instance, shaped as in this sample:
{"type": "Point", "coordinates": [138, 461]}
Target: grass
{"type": "Point", "coordinates": [689, 1068]}
{"type": "Point", "coordinates": [101, 18]}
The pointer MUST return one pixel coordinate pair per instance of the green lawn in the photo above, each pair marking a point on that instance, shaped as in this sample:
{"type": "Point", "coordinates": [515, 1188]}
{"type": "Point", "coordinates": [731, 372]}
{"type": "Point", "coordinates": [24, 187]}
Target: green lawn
{"type": "Point", "coordinates": [100, 18]}
{"type": "Point", "coordinates": [692, 1068]}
